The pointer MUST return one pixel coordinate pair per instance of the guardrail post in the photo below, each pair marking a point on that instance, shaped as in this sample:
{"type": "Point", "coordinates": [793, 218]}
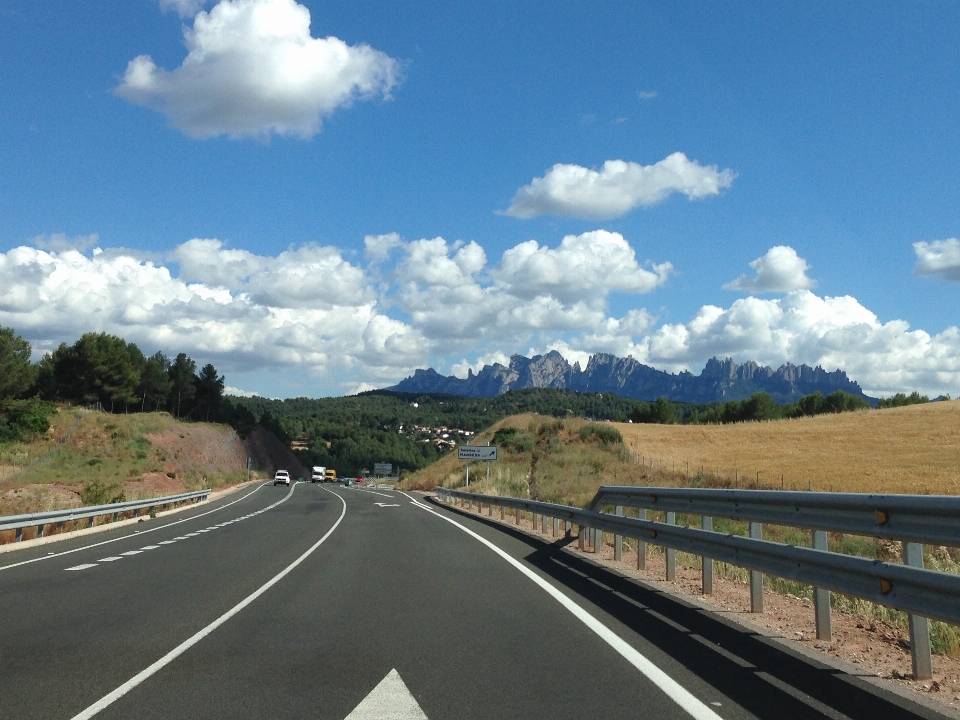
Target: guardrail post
{"type": "Point", "coordinates": [919, 626]}
{"type": "Point", "coordinates": [39, 531]}
{"type": "Point", "coordinates": [568, 528]}
{"type": "Point", "coordinates": [543, 524]}
{"type": "Point", "coordinates": [641, 545]}
{"type": "Point", "coordinates": [90, 521]}
{"type": "Point", "coordinates": [671, 553]}
{"type": "Point", "coordinates": [556, 527]}
{"type": "Point", "coordinates": [516, 516]}
{"type": "Point", "coordinates": [598, 540]}
{"type": "Point", "coordinates": [618, 539]}
{"type": "Point", "coordinates": [705, 562]}
{"type": "Point", "coordinates": [490, 510]}
{"type": "Point", "coordinates": [756, 578]}
{"type": "Point", "coordinates": [821, 597]}
{"type": "Point", "coordinates": [503, 513]}
{"type": "Point", "coordinates": [19, 534]}
{"type": "Point", "coordinates": [581, 539]}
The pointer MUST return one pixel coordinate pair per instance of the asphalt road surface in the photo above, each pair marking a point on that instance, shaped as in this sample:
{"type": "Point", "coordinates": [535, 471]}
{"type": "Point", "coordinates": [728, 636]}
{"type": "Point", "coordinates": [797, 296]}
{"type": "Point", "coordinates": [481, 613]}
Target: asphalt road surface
{"type": "Point", "coordinates": [321, 601]}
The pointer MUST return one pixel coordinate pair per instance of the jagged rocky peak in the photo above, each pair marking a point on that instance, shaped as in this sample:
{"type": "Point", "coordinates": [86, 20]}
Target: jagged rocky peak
{"type": "Point", "coordinates": [719, 380]}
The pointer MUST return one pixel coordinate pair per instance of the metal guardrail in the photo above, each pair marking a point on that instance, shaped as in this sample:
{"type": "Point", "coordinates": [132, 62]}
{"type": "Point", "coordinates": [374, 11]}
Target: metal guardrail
{"type": "Point", "coordinates": [91, 512]}
{"type": "Point", "coordinates": [911, 588]}
{"type": "Point", "coordinates": [927, 519]}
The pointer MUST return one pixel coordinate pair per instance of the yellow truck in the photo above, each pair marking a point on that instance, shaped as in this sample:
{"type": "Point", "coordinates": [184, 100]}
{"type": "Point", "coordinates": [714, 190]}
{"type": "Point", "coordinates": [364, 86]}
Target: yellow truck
{"type": "Point", "coordinates": [331, 475]}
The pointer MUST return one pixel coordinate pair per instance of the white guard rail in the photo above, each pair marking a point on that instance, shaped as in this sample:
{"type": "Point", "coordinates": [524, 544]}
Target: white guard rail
{"type": "Point", "coordinates": [914, 520]}
{"type": "Point", "coordinates": [91, 512]}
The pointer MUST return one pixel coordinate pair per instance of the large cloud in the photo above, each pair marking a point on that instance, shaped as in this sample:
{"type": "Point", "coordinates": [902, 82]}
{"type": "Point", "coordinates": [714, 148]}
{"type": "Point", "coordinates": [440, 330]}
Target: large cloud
{"type": "Point", "coordinates": [780, 270]}
{"type": "Point", "coordinates": [253, 69]}
{"type": "Point", "coordinates": [309, 307]}
{"type": "Point", "coordinates": [455, 300]}
{"type": "Point", "coordinates": [617, 188]}
{"type": "Point", "coordinates": [583, 266]}
{"type": "Point", "coordinates": [801, 327]}
{"type": "Point", "coordinates": [440, 303]}
{"type": "Point", "coordinates": [940, 258]}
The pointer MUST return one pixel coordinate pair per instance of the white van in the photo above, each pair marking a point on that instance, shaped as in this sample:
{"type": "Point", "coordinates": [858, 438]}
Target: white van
{"type": "Point", "coordinates": [319, 474]}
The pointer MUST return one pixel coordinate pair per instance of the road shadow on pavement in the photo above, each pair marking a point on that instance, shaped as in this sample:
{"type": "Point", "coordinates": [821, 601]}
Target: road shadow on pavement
{"type": "Point", "coordinates": [763, 676]}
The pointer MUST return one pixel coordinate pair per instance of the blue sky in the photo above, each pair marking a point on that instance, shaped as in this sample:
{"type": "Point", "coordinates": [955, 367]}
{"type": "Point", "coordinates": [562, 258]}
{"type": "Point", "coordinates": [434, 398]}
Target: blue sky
{"type": "Point", "coordinates": [322, 208]}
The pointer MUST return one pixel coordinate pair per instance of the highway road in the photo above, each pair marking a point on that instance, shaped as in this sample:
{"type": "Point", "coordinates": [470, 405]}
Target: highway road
{"type": "Point", "coordinates": [321, 601]}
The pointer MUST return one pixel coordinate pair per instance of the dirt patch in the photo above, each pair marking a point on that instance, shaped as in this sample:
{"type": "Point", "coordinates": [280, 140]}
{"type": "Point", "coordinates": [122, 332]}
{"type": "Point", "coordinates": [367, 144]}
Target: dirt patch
{"type": "Point", "coordinates": [153, 485]}
{"type": "Point", "coordinates": [39, 498]}
{"type": "Point", "coordinates": [199, 450]}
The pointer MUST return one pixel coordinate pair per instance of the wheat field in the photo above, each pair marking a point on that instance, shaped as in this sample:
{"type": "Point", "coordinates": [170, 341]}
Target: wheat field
{"type": "Point", "coordinates": [913, 449]}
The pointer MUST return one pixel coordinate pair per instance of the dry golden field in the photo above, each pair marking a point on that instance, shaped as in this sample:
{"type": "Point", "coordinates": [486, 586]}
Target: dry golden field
{"type": "Point", "coordinates": [913, 449]}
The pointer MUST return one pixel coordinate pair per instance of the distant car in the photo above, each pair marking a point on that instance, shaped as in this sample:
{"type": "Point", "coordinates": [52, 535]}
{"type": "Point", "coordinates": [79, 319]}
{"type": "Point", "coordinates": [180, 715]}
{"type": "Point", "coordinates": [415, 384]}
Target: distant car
{"type": "Point", "coordinates": [282, 476]}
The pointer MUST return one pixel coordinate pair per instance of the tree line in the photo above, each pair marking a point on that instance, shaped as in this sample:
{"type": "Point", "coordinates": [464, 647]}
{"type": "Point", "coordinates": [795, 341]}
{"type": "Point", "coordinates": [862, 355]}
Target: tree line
{"type": "Point", "coordinates": [104, 369]}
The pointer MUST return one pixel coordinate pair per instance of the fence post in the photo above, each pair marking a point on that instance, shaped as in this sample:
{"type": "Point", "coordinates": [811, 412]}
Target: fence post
{"type": "Point", "coordinates": [671, 553]}
{"type": "Point", "coordinates": [705, 562]}
{"type": "Point", "coordinates": [919, 626]}
{"type": "Point", "coordinates": [756, 578]}
{"type": "Point", "coordinates": [821, 597]}
{"type": "Point", "coordinates": [618, 539]}
{"type": "Point", "coordinates": [641, 545]}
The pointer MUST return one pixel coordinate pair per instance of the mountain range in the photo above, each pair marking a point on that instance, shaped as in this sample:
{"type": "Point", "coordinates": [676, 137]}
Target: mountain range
{"type": "Point", "coordinates": [719, 381]}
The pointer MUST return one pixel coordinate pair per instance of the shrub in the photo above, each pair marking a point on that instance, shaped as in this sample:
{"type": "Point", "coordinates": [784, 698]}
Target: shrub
{"type": "Point", "coordinates": [98, 492]}
{"type": "Point", "coordinates": [601, 433]}
{"type": "Point", "coordinates": [899, 400]}
{"type": "Point", "coordinates": [19, 420]}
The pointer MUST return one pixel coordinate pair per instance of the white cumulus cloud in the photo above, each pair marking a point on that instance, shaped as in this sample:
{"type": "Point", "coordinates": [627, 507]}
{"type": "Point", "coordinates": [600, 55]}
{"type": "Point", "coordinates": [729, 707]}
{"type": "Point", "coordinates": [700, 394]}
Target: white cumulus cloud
{"type": "Point", "coordinates": [582, 267]}
{"type": "Point", "coordinates": [801, 327]}
{"type": "Point", "coordinates": [310, 310]}
{"type": "Point", "coordinates": [617, 188]}
{"type": "Point", "coordinates": [780, 270]}
{"type": "Point", "coordinates": [253, 69]}
{"type": "Point", "coordinates": [940, 258]}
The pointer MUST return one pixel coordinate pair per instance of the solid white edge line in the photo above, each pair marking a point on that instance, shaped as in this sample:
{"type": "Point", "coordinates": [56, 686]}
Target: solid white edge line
{"type": "Point", "coordinates": [671, 688]}
{"type": "Point", "coordinates": [130, 684]}
{"type": "Point", "coordinates": [125, 537]}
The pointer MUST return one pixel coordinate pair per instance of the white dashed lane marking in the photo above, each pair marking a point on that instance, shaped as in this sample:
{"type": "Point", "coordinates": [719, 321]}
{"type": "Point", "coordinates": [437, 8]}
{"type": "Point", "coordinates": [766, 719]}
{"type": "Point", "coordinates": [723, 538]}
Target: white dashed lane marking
{"type": "Point", "coordinates": [87, 566]}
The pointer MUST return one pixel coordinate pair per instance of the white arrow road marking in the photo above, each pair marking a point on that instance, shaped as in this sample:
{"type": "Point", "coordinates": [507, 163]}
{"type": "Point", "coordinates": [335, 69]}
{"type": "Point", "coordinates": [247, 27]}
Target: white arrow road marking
{"type": "Point", "coordinates": [390, 700]}
{"type": "Point", "coordinates": [388, 504]}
